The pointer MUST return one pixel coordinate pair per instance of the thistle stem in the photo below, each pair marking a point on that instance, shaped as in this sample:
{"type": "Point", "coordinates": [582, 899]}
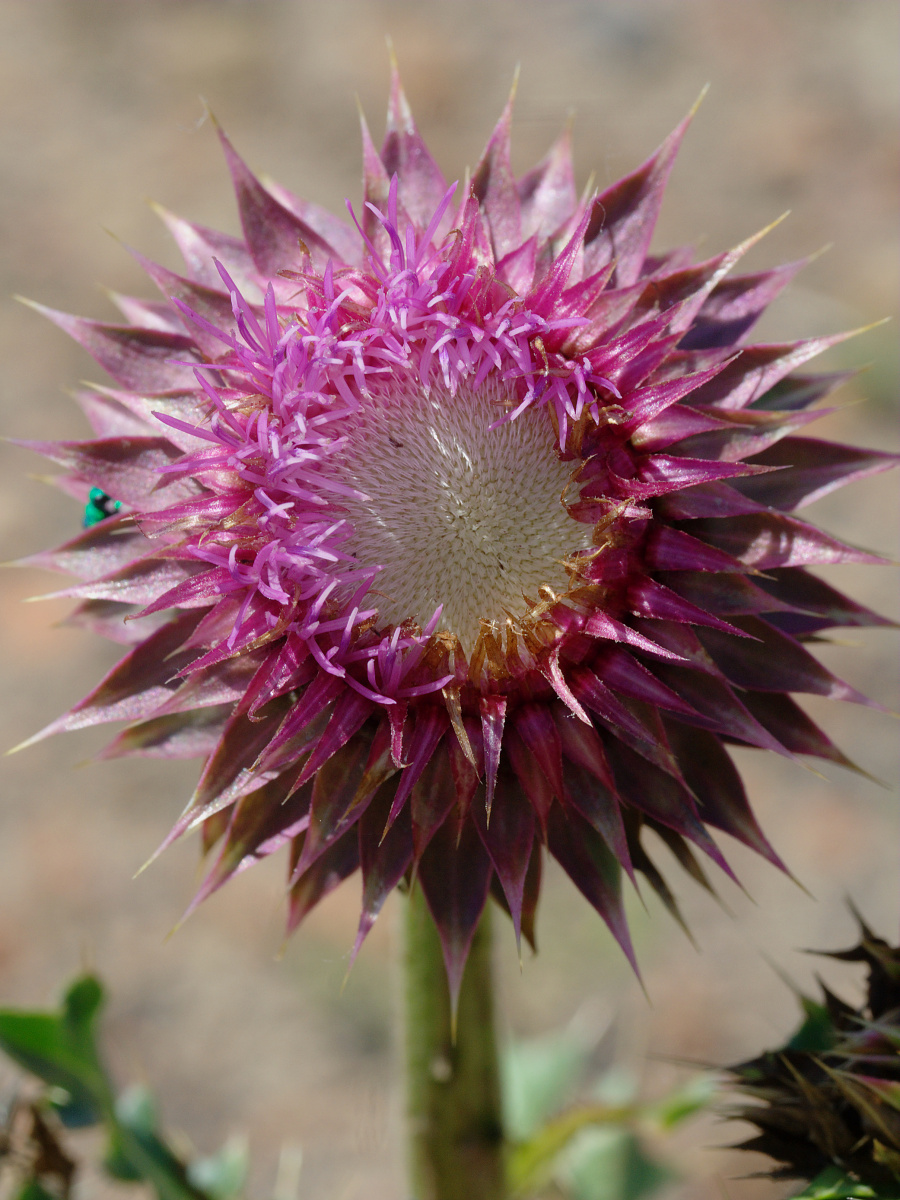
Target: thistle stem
{"type": "Point", "coordinates": [453, 1085]}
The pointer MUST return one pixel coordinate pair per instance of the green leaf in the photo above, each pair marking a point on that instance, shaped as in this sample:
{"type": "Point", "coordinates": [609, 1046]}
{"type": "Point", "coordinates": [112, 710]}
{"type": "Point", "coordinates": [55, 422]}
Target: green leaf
{"type": "Point", "coordinates": [612, 1165]}
{"type": "Point", "coordinates": [222, 1175]}
{"type": "Point", "coordinates": [138, 1151]}
{"type": "Point", "coordinates": [618, 1087]}
{"type": "Point", "coordinates": [136, 1109]}
{"type": "Point", "coordinates": [32, 1190]}
{"type": "Point", "coordinates": [834, 1184]}
{"type": "Point", "coordinates": [816, 1034]}
{"type": "Point", "coordinates": [538, 1077]}
{"type": "Point", "coordinates": [82, 1002]}
{"type": "Point", "coordinates": [60, 1049]}
{"type": "Point", "coordinates": [117, 1163]}
{"type": "Point", "coordinates": [530, 1163]}
{"type": "Point", "coordinates": [692, 1097]}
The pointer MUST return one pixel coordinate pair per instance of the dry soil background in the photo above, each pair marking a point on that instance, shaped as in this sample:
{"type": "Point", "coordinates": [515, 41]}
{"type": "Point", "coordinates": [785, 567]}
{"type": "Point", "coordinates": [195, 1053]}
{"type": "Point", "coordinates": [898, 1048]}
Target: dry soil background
{"type": "Point", "coordinates": [101, 108]}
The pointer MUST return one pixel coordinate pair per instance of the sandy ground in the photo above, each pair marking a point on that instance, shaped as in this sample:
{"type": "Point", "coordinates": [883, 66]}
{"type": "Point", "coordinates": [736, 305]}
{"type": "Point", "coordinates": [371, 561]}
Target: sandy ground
{"type": "Point", "coordinates": [100, 104]}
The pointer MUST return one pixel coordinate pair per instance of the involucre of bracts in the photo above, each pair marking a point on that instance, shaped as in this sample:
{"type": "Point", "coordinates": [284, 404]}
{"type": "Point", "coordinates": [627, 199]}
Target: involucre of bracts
{"type": "Point", "coordinates": [830, 1098]}
{"type": "Point", "coordinates": [455, 532]}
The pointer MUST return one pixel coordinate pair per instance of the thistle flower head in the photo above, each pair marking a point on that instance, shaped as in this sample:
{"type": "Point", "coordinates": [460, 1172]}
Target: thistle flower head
{"type": "Point", "coordinates": [454, 531]}
{"type": "Point", "coordinates": [826, 1105]}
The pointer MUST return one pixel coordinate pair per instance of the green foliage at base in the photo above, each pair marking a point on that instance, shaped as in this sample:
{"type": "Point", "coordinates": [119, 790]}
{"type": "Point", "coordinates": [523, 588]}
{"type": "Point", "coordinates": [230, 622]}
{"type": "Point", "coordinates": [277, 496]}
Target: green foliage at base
{"type": "Point", "coordinates": [60, 1050]}
{"type": "Point", "coordinates": [835, 1184]}
{"type": "Point", "coordinates": [594, 1150]}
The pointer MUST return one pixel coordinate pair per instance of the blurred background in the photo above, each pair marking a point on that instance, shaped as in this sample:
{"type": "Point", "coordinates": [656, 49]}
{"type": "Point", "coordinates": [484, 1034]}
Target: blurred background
{"type": "Point", "coordinates": [101, 109]}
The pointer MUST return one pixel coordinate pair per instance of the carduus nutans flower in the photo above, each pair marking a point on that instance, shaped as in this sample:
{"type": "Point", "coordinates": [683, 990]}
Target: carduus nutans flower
{"type": "Point", "coordinates": [456, 531]}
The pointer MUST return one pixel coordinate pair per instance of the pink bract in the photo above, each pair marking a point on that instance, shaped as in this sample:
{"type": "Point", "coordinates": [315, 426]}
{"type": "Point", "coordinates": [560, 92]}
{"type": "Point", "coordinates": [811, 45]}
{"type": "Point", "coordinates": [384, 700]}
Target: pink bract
{"type": "Point", "coordinates": [457, 531]}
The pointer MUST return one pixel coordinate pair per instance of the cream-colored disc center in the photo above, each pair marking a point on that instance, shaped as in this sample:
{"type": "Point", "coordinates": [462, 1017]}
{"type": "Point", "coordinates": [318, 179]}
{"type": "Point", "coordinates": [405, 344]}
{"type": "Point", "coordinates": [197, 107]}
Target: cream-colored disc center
{"type": "Point", "coordinates": [458, 515]}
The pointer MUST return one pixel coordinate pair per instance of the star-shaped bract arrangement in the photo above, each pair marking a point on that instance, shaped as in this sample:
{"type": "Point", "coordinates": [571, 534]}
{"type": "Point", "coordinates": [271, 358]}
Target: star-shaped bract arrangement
{"type": "Point", "coordinates": [456, 531]}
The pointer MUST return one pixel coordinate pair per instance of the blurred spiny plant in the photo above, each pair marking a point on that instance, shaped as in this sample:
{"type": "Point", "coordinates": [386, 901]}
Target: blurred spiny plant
{"type": "Point", "coordinates": [558, 1149]}
{"type": "Point", "coordinates": [827, 1104]}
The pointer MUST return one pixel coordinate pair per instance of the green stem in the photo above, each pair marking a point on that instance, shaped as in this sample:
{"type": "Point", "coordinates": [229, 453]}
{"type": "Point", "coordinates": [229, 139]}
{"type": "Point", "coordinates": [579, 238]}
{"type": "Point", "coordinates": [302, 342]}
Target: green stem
{"type": "Point", "coordinates": [453, 1085]}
